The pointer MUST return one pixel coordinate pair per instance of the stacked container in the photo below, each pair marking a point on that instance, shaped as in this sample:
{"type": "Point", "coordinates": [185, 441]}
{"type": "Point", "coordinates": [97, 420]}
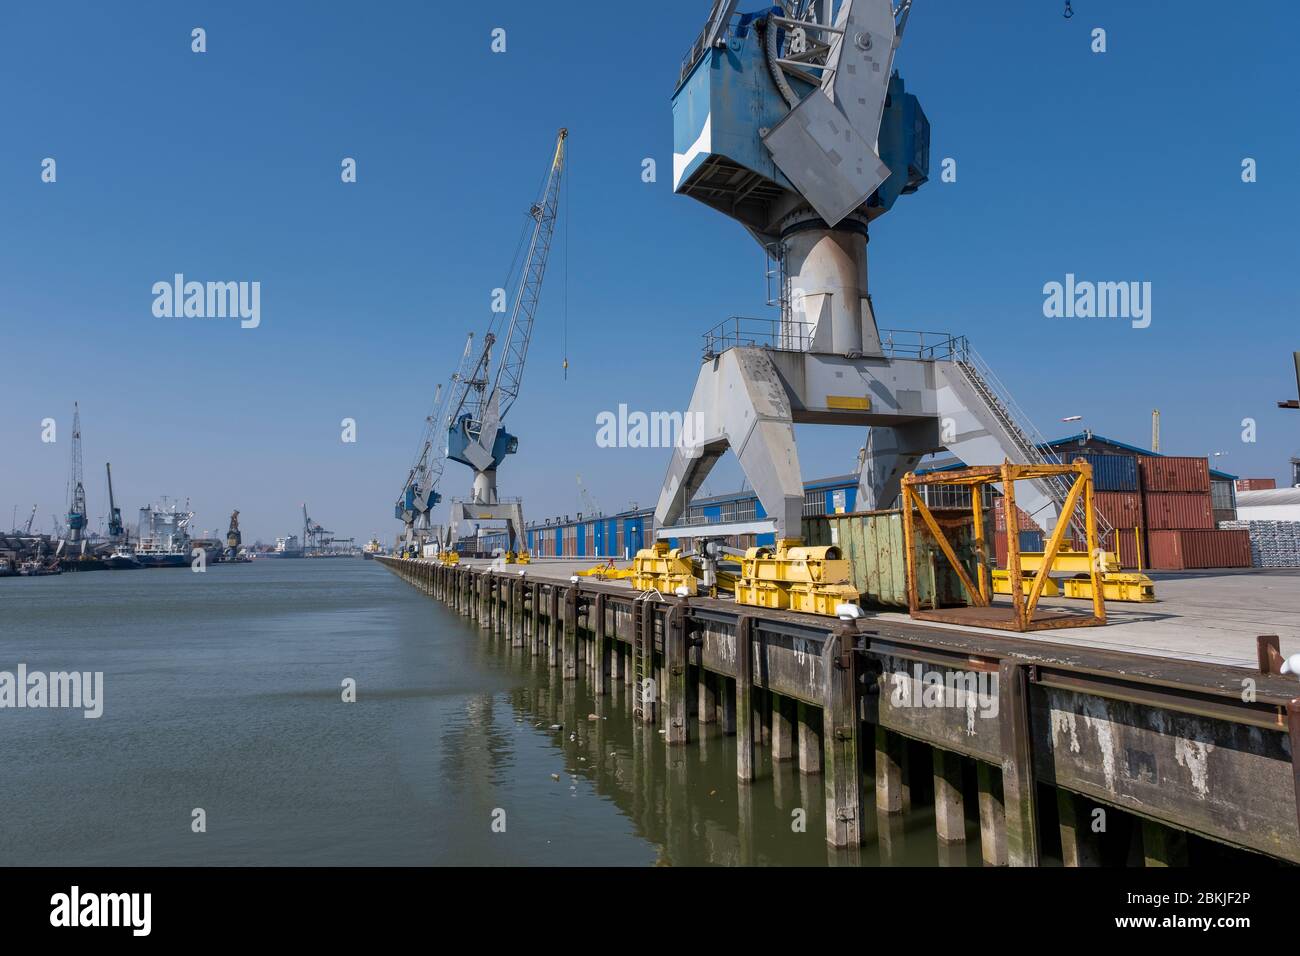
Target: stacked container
{"type": "Point", "coordinates": [1117, 498]}
{"type": "Point", "coordinates": [1179, 510]}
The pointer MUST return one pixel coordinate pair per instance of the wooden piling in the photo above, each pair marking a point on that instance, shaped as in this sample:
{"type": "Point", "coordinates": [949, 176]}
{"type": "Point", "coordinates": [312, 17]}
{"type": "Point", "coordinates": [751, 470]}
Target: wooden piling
{"type": "Point", "coordinates": [570, 630]}
{"type": "Point", "coordinates": [889, 771]}
{"type": "Point", "coordinates": [602, 650]}
{"type": "Point", "coordinates": [1018, 787]}
{"type": "Point", "coordinates": [676, 673]}
{"type": "Point", "coordinates": [554, 639]}
{"type": "Point", "coordinates": [707, 691]}
{"type": "Point", "coordinates": [842, 743]}
{"type": "Point", "coordinates": [1079, 845]}
{"type": "Point", "coordinates": [783, 722]}
{"type": "Point", "coordinates": [727, 700]}
{"type": "Point", "coordinates": [746, 729]}
{"type": "Point", "coordinates": [993, 823]}
{"type": "Point", "coordinates": [949, 806]}
{"type": "Point", "coordinates": [810, 740]}
{"type": "Point", "coordinates": [1163, 845]}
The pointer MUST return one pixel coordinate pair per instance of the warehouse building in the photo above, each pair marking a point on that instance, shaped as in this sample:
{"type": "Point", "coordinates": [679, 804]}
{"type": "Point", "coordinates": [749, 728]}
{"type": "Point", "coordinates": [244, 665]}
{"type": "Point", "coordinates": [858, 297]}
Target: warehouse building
{"type": "Point", "coordinates": [1165, 511]}
{"type": "Point", "coordinates": [1277, 504]}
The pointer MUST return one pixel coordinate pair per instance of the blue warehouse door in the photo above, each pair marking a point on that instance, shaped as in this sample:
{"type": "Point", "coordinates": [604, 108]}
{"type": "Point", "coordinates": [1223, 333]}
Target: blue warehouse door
{"type": "Point", "coordinates": [632, 535]}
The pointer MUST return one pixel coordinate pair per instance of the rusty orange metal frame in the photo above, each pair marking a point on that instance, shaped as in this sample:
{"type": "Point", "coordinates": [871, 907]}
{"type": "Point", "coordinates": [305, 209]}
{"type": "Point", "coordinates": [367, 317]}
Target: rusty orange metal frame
{"type": "Point", "coordinates": [1023, 608]}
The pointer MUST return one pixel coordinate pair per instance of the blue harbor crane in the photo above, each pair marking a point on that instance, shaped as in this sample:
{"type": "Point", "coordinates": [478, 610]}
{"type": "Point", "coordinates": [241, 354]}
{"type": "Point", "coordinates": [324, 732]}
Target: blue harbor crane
{"type": "Point", "coordinates": [476, 436]}
{"type": "Point", "coordinates": [420, 494]}
{"type": "Point", "coordinates": [793, 121]}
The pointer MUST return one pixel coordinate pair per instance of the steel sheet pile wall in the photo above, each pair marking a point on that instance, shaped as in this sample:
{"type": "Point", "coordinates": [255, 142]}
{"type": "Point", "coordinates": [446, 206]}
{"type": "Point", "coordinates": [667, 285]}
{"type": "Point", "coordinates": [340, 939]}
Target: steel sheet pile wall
{"type": "Point", "coordinates": [1273, 544]}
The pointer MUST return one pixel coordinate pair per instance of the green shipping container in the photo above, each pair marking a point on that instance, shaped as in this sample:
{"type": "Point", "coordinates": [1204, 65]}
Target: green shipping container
{"type": "Point", "coordinates": [872, 542]}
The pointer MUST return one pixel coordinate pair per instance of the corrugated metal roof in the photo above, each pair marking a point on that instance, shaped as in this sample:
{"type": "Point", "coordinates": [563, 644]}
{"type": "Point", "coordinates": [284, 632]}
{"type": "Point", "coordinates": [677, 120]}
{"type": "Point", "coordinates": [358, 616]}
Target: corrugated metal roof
{"type": "Point", "coordinates": [1268, 496]}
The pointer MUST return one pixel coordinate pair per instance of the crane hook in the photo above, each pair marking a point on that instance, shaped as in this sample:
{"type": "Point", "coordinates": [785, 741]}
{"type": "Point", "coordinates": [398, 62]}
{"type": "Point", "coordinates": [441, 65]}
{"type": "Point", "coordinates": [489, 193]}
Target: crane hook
{"type": "Point", "coordinates": [1069, 11]}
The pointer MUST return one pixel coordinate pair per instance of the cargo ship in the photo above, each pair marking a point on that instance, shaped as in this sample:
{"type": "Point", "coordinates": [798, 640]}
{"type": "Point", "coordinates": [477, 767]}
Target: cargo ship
{"type": "Point", "coordinates": [163, 541]}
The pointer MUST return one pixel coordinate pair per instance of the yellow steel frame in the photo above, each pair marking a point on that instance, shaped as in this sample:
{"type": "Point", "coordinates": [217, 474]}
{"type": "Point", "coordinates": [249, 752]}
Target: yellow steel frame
{"type": "Point", "coordinates": [1023, 605]}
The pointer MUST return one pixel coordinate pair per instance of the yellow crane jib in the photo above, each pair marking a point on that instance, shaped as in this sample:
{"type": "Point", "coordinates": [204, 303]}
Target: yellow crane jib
{"type": "Point", "coordinates": [814, 580]}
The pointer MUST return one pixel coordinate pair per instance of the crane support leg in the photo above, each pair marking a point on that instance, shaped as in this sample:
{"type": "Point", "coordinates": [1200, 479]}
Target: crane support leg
{"type": "Point", "coordinates": [749, 399]}
{"type": "Point", "coordinates": [739, 403]}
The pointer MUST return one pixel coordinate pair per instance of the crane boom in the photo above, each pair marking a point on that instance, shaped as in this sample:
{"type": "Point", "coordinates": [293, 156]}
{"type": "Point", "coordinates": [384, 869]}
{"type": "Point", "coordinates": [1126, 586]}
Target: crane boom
{"type": "Point", "coordinates": [475, 436]}
{"type": "Point", "coordinates": [483, 399]}
{"type": "Point", "coordinates": [514, 352]}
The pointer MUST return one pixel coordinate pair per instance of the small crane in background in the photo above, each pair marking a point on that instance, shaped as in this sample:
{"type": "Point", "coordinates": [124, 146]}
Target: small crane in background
{"type": "Point", "coordinates": [1155, 429]}
{"type": "Point", "coordinates": [590, 508]}
{"type": "Point", "coordinates": [115, 528]}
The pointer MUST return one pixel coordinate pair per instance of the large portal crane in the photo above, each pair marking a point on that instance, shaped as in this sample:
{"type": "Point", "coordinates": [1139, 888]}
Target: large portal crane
{"type": "Point", "coordinates": [76, 489]}
{"type": "Point", "coordinates": [483, 399]}
{"type": "Point", "coordinates": [793, 121]}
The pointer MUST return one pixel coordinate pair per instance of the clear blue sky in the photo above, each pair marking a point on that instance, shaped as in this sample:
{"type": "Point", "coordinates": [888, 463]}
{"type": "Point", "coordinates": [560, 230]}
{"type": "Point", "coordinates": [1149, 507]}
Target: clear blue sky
{"type": "Point", "coordinates": [1124, 165]}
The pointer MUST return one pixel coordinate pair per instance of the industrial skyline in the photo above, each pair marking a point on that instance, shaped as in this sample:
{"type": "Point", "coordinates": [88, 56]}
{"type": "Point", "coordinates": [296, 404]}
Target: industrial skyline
{"type": "Point", "coordinates": [230, 171]}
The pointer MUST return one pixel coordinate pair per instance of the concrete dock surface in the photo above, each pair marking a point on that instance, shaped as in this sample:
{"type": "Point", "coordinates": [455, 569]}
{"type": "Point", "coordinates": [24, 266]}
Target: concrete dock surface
{"type": "Point", "coordinates": [1212, 616]}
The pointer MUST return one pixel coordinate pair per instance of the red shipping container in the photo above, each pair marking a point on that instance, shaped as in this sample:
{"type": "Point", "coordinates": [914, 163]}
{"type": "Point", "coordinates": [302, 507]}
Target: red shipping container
{"type": "Point", "coordinates": [1119, 509]}
{"type": "Point", "coordinates": [1181, 550]}
{"type": "Point", "coordinates": [1131, 556]}
{"type": "Point", "coordinates": [1174, 511]}
{"type": "Point", "coordinates": [1256, 484]}
{"type": "Point", "coordinates": [1000, 521]}
{"type": "Point", "coordinates": [1174, 474]}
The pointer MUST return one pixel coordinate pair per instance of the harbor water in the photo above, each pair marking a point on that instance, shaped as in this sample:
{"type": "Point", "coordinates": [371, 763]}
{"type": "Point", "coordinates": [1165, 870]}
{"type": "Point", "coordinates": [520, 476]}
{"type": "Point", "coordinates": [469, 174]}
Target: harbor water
{"type": "Point", "coordinates": [223, 692]}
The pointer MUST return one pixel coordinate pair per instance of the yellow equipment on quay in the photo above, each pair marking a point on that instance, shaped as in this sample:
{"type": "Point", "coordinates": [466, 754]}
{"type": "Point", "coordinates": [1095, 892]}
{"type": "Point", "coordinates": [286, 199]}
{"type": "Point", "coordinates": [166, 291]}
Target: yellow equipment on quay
{"type": "Point", "coordinates": [789, 576]}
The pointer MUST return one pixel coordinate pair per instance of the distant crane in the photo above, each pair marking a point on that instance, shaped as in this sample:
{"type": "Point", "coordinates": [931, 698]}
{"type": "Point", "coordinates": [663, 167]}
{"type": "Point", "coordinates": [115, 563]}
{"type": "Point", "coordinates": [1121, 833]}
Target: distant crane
{"type": "Point", "coordinates": [77, 494]}
{"type": "Point", "coordinates": [420, 490]}
{"type": "Point", "coordinates": [1155, 429]}
{"type": "Point", "coordinates": [588, 503]}
{"type": "Point", "coordinates": [115, 528]}
{"type": "Point", "coordinates": [30, 518]}
{"type": "Point", "coordinates": [483, 399]}
{"type": "Point", "coordinates": [233, 537]}
{"type": "Point", "coordinates": [313, 535]}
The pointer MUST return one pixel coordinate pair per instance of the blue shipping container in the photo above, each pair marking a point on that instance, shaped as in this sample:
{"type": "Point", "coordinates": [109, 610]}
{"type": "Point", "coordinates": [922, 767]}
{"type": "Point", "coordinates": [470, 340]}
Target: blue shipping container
{"type": "Point", "coordinates": [1111, 472]}
{"type": "Point", "coordinates": [1031, 541]}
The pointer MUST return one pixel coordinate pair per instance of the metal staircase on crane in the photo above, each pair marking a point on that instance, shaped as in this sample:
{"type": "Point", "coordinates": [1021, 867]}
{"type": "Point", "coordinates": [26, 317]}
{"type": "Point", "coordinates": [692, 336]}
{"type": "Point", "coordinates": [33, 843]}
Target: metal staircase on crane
{"type": "Point", "coordinates": [1020, 432]}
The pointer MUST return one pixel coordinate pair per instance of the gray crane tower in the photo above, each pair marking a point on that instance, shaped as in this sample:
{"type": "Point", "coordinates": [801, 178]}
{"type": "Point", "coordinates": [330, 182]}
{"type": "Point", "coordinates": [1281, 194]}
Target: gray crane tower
{"type": "Point", "coordinates": [76, 487]}
{"type": "Point", "coordinates": [476, 436]}
{"type": "Point", "coordinates": [793, 122]}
